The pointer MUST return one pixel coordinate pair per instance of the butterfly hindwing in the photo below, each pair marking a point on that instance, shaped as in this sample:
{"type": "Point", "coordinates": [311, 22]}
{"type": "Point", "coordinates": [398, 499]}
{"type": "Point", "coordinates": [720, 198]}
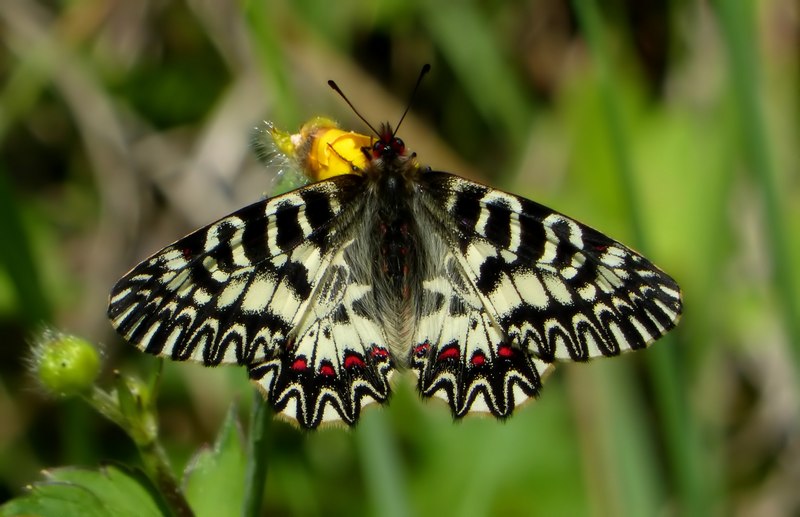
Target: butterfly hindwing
{"type": "Point", "coordinates": [337, 361]}
{"type": "Point", "coordinates": [464, 356]}
{"type": "Point", "coordinates": [556, 287]}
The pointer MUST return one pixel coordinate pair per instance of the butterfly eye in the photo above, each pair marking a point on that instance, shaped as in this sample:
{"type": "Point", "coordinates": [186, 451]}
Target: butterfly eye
{"type": "Point", "coordinates": [398, 146]}
{"type": "Point", "coordinates": [380, 148]}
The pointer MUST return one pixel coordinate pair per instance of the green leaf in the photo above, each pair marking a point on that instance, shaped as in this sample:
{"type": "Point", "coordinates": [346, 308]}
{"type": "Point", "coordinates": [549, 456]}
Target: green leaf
{"type": "Point", "coordinates": [214, 480]}
{"type": "Point", "coordinates": [68, 491]}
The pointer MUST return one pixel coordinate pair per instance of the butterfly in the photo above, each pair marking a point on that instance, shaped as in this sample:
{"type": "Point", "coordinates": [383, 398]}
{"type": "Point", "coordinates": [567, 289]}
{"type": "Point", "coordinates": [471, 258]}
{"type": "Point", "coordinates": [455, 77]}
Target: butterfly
{"type": "Point", "coordinates": [380, 265]}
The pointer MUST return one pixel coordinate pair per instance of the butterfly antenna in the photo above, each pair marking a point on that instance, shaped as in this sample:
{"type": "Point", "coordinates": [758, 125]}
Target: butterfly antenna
{"type": "Point", "coordinates": [425, 69]}
{"type": "Point", "coordinates": [343, 96]}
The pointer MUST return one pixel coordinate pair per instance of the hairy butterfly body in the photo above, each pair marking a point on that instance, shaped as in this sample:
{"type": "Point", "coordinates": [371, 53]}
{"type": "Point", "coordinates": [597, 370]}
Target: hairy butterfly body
{"type": "Point", "coordinates": [384, 265]}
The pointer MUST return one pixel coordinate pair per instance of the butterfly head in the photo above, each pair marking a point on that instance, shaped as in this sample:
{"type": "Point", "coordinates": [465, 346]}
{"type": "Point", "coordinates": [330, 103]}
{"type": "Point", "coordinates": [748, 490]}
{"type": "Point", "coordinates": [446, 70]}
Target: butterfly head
{"type": "Point", "coordinates": [388, 146]}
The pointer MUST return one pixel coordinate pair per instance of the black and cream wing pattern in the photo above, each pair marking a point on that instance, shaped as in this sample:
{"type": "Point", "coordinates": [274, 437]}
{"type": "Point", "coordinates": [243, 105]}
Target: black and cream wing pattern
{"type": "Point", "coordinates": [325, 292]}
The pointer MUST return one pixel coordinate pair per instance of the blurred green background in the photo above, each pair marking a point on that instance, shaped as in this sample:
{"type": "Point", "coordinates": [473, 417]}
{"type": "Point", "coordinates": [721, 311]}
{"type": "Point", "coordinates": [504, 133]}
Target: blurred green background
{"type": "Point", "coordinates": [672, 126]}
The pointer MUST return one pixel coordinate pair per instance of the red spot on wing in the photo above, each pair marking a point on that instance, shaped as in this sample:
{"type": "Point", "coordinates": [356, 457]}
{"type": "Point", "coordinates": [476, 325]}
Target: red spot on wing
{"type": "Point", "coordinates": [478, 359]}
{"type": "Point", "coordinates": [505, 351]}
{"type": "Point", "coordinates": [450, 352]}
{"type": "Point", "coordinates": [327, 370]}
{"type": "Point", "coordinates": [187, 253]}
{"type": "Point", "coordinates": [299, 364]}
{"type": "Point", "coordinates": [352, 361]}
{"type": "Point", "coordinates": [378, 352]}
{"type": "Point", "coordinates": [421, 350]}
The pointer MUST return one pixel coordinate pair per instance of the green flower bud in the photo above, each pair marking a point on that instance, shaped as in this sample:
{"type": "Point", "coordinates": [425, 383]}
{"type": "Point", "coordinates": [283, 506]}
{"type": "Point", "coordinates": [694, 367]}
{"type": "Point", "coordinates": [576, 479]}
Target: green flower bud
{"type": "Point", "coordinates": [65, 365]}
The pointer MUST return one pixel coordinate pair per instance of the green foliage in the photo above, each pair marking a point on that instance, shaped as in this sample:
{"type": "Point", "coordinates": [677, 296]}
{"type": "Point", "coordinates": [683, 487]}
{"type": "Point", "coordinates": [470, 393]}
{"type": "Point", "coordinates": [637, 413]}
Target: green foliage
{"type": "Point", "coordinates": [672, 126]}
{"type": "Point", "coordinates": [214, 480]}
{"type": "Point", "coordinates": [213, 484]}
{"type": "Point", "coordinates": [71, 491]}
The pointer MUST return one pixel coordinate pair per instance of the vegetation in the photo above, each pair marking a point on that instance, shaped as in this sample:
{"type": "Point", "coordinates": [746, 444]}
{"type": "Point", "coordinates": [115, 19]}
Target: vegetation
{"type": "Point", "coordinates": [672, 126]}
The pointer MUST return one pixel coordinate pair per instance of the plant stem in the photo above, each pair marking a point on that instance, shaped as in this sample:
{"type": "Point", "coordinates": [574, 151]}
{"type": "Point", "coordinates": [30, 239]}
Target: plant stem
{"type": "Point", "coordinates": [382, 467]}
{"type": "Point", "coordinates": [159, 470]}
{"type": "Point", "coordinates": [154, 459]}
{"type": "Point", "coordinates": [257, 464]}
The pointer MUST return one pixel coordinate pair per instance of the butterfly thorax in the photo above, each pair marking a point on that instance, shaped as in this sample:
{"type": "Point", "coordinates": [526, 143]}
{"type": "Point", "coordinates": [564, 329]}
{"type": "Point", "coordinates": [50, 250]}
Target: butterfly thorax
{"type": "Point", "coordinates": [396, 232]}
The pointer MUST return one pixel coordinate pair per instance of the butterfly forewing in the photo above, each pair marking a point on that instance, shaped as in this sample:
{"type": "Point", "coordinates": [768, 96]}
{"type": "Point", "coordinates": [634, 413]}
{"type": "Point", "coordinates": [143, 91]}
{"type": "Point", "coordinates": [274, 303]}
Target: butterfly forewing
{"type": "Point", "coordinates": [233, 291]}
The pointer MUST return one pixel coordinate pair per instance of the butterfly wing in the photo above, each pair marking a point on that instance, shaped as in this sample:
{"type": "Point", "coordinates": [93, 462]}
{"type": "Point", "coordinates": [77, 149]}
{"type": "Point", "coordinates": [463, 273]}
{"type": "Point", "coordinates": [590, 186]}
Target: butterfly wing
{"type": "Point", "coordinates": [548, 287]}
{"type": "Point", "coordinates": [260, 286]}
